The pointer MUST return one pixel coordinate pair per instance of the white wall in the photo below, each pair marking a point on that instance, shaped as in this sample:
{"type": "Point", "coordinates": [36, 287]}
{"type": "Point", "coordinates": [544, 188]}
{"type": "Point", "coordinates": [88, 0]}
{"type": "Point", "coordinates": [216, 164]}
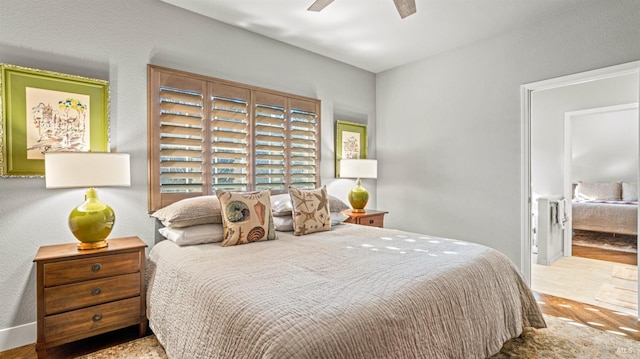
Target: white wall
{"type": "Point", "coordinates": [458, 117]}
{"type": "Point", "coordinates": [604, 147]}
{"type": "Point", "coordinates": [115, 40]}
{"type": "Point", "coordinates": [547, 124]}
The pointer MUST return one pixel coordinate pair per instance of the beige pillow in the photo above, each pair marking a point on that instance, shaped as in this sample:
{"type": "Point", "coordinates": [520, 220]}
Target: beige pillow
{"type": "Point", "coordinates": [246, 217]}
{"type": "Point", "coordinates": [310, 210]}
{"type": "Point", "coordinates": [599, 191]}
{"type": "Point", "coordinates": [190, 212]}
{"type": "Point", "coordinates": [629, 192]}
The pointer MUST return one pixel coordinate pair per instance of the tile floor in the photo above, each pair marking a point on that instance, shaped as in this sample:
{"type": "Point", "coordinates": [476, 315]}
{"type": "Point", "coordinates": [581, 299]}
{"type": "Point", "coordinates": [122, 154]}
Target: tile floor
{"type": "Point", "coordinates": [578, 279]}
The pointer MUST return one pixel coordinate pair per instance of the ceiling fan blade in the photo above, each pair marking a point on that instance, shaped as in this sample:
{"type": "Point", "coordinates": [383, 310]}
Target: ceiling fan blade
{"type": "Point", "coordinates": [319, 5]}
{"type": "Point", "coordinates": [405, 7]}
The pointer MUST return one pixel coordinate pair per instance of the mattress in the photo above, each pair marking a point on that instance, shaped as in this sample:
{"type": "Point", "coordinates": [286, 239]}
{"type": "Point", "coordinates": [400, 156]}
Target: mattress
{"type": "Point", "coordinates": [605, 216]}
{"type": "Point", "coordinates": [352, 292]}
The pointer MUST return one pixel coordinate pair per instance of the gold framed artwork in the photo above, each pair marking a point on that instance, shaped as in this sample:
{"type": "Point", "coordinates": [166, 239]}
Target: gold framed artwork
{"type": "Point", "coordinates": [44, 111]}
{"type": "Point", "coordinates": [351, 142]}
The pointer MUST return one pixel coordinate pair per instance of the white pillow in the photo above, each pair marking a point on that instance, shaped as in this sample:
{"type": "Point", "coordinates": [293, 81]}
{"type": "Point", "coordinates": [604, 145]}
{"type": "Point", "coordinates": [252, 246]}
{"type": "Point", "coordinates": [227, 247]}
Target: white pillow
{"type": "Point", "coordinates": [629, 191]}
{"type": "Point", "coordinates": [337, 218]}
{"type": "Point", "coordinates": [283, 223]}
{"type": "Point", "coordinates": [281, 205]}
{"type": "Point", "coordinates": [186, 236]}
{"type": "Point", "coordinates": [599, 191]}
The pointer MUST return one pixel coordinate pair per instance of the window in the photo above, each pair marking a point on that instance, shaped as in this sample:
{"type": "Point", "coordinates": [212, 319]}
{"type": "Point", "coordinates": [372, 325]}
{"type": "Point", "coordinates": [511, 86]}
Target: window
{"type": "Point", "coordinates": [206, 134]}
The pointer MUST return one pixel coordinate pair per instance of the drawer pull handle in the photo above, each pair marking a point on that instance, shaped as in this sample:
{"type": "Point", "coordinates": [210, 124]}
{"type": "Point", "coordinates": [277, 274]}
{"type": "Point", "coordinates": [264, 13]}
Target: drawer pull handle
{"type": "Point", "coordinates": [371, 221]}
{"type": "Point", "coordinates": [96, 267]}
{"type": "Point", "coordinates": [96, 291]}
{"type": "Point", "coordinates": [97, 317]}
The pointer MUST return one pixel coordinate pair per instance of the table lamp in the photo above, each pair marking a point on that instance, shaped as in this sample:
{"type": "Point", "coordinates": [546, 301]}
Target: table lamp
{"type": "Point", "coordinates": [92, 221]}
{"type": "Point", "coordinates": [358, 168]}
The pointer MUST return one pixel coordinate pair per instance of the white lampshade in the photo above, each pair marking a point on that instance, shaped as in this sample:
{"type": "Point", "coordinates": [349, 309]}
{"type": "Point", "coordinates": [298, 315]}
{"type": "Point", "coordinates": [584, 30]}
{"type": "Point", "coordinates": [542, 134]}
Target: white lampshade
{"type": "Point", "coordinates": [86, 169]}
{"type": "Point", "coordinates": [358, 168]}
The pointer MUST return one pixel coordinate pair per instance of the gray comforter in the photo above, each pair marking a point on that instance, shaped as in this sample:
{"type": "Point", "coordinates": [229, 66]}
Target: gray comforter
{"type": "Point", "coordinates": [352, 292]}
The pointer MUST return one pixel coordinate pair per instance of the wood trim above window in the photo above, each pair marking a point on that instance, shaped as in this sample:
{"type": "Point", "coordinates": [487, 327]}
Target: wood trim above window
{"type": "Point", "coordinates": [206, 134]}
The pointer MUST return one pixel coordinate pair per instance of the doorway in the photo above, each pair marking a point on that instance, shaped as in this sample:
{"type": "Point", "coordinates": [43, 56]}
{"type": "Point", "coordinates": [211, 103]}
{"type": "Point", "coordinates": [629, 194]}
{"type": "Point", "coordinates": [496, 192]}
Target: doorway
{"type": "Point", "coordinates": [529, 91]}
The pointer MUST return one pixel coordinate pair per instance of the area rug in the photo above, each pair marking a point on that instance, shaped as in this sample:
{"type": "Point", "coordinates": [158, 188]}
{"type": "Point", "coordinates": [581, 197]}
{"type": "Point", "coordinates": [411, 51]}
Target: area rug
{"type": "Point", "coordinates": [562, 339]}
{"type": "Point", "coordinates": [625, 272]}
{"type": "Point", "coordinates": [618, 295]}
{"type": "Point", "coordinates": [618, 242]}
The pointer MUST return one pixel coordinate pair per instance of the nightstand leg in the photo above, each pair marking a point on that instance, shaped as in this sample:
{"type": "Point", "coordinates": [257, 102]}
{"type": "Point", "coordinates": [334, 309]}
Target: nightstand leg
{"type": "Point", "coordinates": [142, 329]}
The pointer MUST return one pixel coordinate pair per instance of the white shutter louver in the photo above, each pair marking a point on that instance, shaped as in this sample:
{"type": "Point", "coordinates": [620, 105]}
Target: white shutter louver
{"type": "Point", "coordinates": [229, 143]}
{"type": "Point", "coordinates": [304, 155]}
{"type": "Point", "coordinates": [180, 141]}
{"type": "Point", "coordinates": [269, 138]}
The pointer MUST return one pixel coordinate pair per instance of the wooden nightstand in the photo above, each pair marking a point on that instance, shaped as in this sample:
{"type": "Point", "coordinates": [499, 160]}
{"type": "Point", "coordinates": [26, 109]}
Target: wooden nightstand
{"type": "Point", "coordinates": [368, 218]}
{"type": "Point", "coordinates": [82, 293]}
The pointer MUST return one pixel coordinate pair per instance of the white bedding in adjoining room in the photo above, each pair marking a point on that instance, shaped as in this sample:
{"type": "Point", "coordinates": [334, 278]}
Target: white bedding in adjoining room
{"type": "Point", "coordinates": [352, 292]}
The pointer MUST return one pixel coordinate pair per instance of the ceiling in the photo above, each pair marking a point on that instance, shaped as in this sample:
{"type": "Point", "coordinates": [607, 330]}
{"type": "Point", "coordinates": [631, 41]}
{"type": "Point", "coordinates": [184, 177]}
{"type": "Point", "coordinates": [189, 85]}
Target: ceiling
{"type": "Point", "coordinates": [370, 34]}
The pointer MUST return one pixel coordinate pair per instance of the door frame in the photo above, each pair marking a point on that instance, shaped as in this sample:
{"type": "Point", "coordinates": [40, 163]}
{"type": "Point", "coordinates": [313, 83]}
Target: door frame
{"type": "Point", "coordinates": [526, 91]}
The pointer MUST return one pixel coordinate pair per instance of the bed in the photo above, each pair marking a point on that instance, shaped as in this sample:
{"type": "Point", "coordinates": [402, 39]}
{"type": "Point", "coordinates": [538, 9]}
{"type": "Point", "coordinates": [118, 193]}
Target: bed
{"type": "Point", "coordinates": [350, 292]}
{"type": "Point", "coordinates": [605, 207]}
{"type": "Point", "coordinates": [619, 217]}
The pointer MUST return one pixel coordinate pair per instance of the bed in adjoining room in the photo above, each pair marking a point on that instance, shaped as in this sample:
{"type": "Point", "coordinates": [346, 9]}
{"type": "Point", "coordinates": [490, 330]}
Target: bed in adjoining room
{"type": "Point", "coordinates": [334, 291]}
{"type": "Point", "coordinates": [606, 207]}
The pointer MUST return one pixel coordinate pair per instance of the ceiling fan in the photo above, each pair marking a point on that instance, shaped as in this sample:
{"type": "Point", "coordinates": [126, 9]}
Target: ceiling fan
{"type": "Point", "coordinates": [405, 7]}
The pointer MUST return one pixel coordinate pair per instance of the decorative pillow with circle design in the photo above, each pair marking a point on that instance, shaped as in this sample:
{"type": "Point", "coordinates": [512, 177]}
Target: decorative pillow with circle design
{"type": "Point", "coordinates": [246, 217]}
{"type": "Point", "coordinates": [310, 210]}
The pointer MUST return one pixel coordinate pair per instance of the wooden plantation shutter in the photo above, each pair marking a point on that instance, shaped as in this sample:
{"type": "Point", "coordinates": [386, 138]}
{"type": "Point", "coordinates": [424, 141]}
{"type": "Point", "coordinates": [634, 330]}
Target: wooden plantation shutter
{"type": "Point", "coordinates": [206, 134]}
{"type": "Point", "coordinates": [229, 137]}
{"type": "Point", "coordinates": [270, 140]}
{"type": "Point", "coordinates": [176, 163]}
{"type": "Point", "coordinates": [304, 144]}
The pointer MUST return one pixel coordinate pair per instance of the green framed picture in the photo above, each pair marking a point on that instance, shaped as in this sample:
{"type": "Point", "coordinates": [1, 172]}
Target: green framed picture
{"type": "Point", "coordinates": [44, 111]}
{"type": "Point", "coordinates": [351, 142]}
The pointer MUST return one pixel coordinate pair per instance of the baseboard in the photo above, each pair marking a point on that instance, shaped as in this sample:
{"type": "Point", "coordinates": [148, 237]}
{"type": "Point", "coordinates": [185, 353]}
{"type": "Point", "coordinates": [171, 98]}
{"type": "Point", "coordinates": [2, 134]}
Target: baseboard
{"type": "Point", "coordinates": [18, 336]}
{"type": "Point", "coordinates": [551, 260]}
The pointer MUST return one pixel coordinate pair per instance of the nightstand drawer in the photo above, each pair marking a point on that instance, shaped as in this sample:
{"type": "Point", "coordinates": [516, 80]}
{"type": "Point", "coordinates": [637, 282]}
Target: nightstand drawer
{"type": "Point", "coordinates": [79, 295]}
{"type": "Point", "coordinates": [377, 221]}
{"type": "Point", "coordinates": [370, 218]}
{"type": "Point", "coordinates": [93, 319]}
{"type": "Point", "coordinates": [77, 270]}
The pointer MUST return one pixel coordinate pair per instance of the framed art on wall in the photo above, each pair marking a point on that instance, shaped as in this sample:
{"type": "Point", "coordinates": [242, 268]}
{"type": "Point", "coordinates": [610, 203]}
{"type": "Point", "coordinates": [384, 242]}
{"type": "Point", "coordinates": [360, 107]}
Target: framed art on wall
{"type": "Point", "coordinates": [44, 111]}
{"type": "Point", "coordinates": [351, 142]}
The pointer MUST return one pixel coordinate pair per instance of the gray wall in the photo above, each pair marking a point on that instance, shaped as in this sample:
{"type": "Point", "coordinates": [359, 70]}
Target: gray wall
{"type": "Point", "coordinates": [604, 147]}
{"type": "Point", "coordinates": [115, 40]}
{"type": "Point", "coordinates": [547, 124]}
{"type": "Point", "coordinates": [458, 116]}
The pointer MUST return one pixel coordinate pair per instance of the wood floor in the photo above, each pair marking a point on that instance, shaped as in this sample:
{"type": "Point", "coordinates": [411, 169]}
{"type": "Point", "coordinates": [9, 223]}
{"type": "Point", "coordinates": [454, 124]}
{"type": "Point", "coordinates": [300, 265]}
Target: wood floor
{"type": "Point", "coordinates": [75, 349]}
{"type": "Point", "coordinates": [583, 314]}
{"type": "Point", "coordinates": [623, 324]}
{"type": "Point", "coordinates": [605, 254]}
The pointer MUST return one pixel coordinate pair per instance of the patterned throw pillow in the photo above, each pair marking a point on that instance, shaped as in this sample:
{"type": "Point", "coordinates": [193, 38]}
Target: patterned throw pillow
{"type": "Point", "coordinates": [246, 217]}
{"type": "Point", "coordinates": [310, 210]}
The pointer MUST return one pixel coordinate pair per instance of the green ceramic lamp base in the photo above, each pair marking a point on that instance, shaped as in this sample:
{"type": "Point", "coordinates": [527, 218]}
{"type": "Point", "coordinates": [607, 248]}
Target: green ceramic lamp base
{"type": "Point", "coordinates": [358, 197]}
{"type": "Point", "coordinates": [92, 221]}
